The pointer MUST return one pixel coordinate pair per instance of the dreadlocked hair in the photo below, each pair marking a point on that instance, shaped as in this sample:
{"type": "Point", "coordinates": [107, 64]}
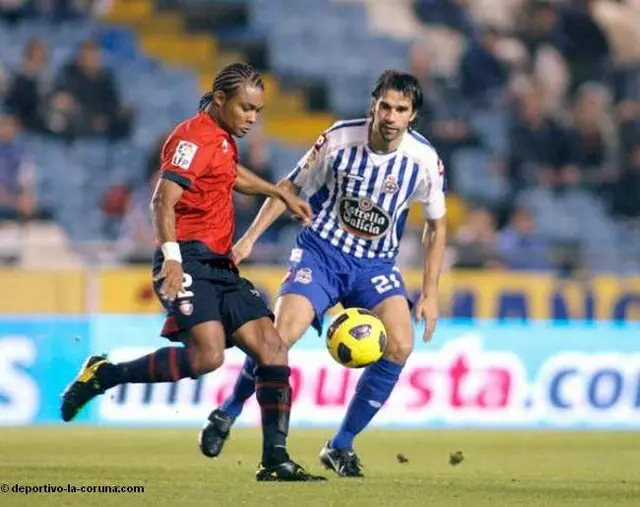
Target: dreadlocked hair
{"type": "Point", "coordinates": [402, 82]}
{"type": "Point", "coordinates": [229, 79]}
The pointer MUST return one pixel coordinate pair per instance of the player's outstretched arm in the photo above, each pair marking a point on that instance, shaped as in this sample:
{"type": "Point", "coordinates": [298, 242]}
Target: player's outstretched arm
{"type": "Point", "coordinates": [248, 183]}
{"type": "Point", "coordinates": [165, 197]}
{"type": "Point", "coordinates": [434, 239]}
{"type": "Point", "coordinates": [271, 210]}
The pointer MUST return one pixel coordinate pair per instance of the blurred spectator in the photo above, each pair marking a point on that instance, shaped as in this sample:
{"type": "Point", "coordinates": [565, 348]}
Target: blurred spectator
{"type": "Point", "coordinates": [450, 13]}
{"type": "Point", "coordinates": [137, 239]}
{"type": "Point", "coordinates": [620, 21]}
{"type": "Point", "coordinates": [476, 241]}
{"type": "Point", "coordinates": [483, 75]}
{"type": "Point", "coordinates": [442, 119]}
{"type": "Point", "coordinates": [520, 247]}
{"type": "Point", "coordinates": [28, 85]}
{"type": "Point", "coordinates": [572, 30]}
{"type": "Point", "coordinates": [61, 117]}
{"type": "Point", "coordinates": [595, 136]}
{"type": "Point", "coordinates": [625, 192]}
{"type": "Point", "coordinates": [17, 175]}
{"type": "Point", "coordinates": [540, 147]}
{"type": "Point", "coordinates": [94, 90]}
{"type": "Point", "coordinates": [551, 76]}
{"type": "Point", "coordinates": [499, 13]}
{"type": "Point", "coordinates": [12, 11]}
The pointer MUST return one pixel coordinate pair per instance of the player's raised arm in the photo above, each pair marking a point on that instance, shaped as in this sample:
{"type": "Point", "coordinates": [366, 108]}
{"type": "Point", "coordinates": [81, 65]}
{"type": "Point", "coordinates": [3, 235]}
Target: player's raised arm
{"type": "Point", "coordinates": [434, 240]}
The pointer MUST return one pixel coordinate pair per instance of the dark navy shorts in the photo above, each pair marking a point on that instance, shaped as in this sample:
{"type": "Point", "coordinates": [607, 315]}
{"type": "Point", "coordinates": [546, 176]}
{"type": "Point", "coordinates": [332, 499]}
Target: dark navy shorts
{"type": "Point", "coordinates": [212, 290]}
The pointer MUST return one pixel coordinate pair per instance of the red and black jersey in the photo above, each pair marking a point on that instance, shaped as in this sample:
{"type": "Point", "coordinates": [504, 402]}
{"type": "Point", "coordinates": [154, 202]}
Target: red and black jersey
{"type": "Point", "coordinates": [202, 157]}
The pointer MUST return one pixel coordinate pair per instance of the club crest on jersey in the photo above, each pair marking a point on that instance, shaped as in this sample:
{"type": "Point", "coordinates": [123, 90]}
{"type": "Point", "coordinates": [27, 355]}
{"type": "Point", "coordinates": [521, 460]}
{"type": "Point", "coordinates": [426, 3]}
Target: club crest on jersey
{"type": "Point", "coordinates": [186, 307]}
{"type": "Point", "coordinates": [390, 185]}
{"type": "Point", "coordinates": [363, 217]}
{"type": "Point", "coordinates": [184, 154]}
{"type": "Point", "coordinates": [303, 275]}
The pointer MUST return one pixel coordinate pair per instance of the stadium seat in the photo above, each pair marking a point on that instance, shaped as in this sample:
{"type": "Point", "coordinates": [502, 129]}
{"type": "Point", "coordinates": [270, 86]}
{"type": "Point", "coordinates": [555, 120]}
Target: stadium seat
{"type": "Point", "coordinates": [476, 179]}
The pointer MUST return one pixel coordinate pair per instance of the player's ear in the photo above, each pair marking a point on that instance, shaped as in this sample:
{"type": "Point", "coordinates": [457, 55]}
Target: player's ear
{"type": "Point", "coordinates": [372, 108]}
{"type": "Point", "coordinates": [219, 98]}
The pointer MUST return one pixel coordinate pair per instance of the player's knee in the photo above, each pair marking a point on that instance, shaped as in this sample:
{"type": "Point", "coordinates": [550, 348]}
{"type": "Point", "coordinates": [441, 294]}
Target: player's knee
{"type": "Point", "coordinates": [272, 349]}
{"type": "Point", "coordinates": [399, 348]}
{"type": "Point", "coordinates": [294, 315]}
{"type": "Point", "coordinates": [205, 359]}
{"type": "Point", "coordinates": [286, 327]}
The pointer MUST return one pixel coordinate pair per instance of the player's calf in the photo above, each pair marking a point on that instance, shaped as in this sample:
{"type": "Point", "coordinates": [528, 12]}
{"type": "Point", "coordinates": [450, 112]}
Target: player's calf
{"type": "Point", "coordinates": [294, 314]}
{"type": "Point", "coordinates": [203, 354]}
{"type": "Point", "coordinates": [97, 375]}
{"type": "Point", "coordinates": [273, 390]}
{"type": "Point", "coordinates": [378, 381]}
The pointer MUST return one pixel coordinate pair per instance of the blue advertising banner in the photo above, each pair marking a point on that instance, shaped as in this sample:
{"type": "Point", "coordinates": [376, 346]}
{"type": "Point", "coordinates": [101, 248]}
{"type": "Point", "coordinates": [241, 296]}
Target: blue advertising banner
{"type": "Point", "coordinates": [482, 374]}
{"type": "Point", "coordinates": [38, 356]}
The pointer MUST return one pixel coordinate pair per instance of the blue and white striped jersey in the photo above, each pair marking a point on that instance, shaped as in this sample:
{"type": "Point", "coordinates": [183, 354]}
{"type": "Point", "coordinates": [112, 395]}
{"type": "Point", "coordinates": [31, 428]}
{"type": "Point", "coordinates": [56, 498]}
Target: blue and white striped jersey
{"type": "Point", "coordinates": [361, 199]}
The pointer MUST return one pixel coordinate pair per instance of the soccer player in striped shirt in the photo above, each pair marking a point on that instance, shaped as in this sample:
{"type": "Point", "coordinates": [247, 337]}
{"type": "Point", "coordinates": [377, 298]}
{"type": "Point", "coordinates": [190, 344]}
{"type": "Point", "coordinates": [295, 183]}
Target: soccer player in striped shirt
{"type": "Point", "coordinates": [360, 177]}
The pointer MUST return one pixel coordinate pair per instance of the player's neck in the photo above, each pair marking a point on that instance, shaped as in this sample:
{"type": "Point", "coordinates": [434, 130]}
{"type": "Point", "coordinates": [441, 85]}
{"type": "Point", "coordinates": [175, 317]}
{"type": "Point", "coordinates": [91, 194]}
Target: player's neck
{"type": "Point", "coordinates": [211, 111]}
{"type": "Point", "coordinates": [380, 146]}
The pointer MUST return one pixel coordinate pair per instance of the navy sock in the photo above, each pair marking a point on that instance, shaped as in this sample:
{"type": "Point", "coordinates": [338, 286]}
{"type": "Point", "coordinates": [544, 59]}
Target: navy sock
{"type": "Point", "coordinates": [244, 387]}
{"type": "Point", "coordinates": [373, 390]}
{"type": "Point", "coordinates": [168, 364]}
{"type": "Point", "coordinates": [273, 392]}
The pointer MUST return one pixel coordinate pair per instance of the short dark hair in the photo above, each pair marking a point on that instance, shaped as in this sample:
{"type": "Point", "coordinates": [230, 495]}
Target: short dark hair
{"type": "Point", "coordinates": [402, 82]}
{"type": "Point", "coordinates": [230, 79]}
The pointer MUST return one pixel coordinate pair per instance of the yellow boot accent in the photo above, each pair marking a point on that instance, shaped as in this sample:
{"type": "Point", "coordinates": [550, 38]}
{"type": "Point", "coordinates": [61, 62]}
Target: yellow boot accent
{"type": "Point", "coordinates": [87, 374]}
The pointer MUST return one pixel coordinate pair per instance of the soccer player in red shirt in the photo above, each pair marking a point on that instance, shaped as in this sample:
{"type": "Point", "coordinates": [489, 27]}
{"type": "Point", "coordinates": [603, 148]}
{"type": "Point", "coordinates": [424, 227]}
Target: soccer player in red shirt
{"type": "Point", "coordinates": [210, 306]}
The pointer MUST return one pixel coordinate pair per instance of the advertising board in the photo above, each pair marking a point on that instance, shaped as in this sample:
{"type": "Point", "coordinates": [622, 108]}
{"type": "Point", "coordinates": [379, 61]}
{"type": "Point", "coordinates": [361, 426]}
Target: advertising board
{"type": "Point", "coordinates": [481, 374]}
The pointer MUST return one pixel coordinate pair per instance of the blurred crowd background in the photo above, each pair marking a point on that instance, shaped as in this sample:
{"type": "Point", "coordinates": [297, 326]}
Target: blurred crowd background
{"type": "Point", "coordinates": [534, 107]}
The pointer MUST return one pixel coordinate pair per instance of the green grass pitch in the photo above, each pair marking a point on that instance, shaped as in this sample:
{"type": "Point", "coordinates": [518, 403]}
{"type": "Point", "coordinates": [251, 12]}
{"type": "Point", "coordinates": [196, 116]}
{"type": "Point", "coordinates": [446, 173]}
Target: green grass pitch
{"type": "Point", "coordinates": [500, 469]}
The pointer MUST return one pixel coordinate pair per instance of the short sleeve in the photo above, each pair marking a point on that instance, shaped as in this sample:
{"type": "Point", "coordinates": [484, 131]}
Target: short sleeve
{"type": "Point", "coordinates": [184, 160]}
{"type": "Point", "coordinates": [430, 189]}
{"type": "Point", "coordinates": [309, 171]}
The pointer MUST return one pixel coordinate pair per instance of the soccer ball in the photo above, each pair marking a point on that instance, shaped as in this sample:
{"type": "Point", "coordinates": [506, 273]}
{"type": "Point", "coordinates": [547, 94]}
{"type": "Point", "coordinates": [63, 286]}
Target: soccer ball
{"type": "Point", "coordinates": [356, 338]}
